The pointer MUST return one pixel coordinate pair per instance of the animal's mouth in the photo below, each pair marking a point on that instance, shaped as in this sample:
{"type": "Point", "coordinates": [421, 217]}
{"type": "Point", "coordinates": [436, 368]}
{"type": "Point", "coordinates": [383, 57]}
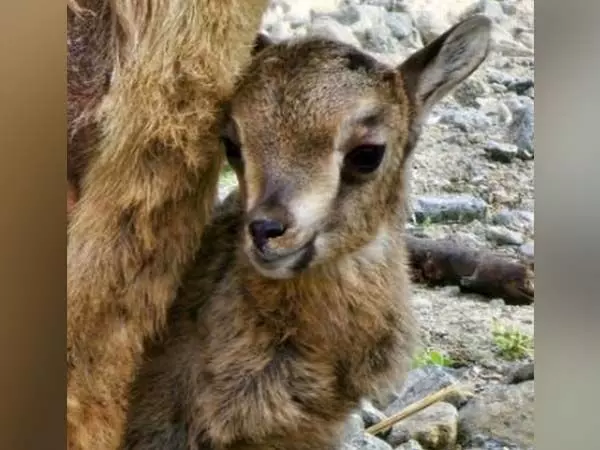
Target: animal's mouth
{"type": "Point", "coordinates": [293, 260]}
{"type": "Point", "coordinates": [273, 259]}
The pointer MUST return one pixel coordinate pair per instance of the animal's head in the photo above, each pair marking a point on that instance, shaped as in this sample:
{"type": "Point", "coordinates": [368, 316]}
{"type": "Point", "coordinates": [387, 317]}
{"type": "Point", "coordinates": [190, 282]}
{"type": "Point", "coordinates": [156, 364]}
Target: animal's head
{"type": "Point", "coordinates": [319, 134]}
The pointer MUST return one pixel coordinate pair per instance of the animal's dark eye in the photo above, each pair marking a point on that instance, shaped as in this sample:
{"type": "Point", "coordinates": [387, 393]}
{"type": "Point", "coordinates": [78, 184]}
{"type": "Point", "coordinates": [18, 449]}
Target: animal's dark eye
{"type": "Point", "coordinates": [232, 150]}
{"type": "Point", "coordinates": [364, 159]}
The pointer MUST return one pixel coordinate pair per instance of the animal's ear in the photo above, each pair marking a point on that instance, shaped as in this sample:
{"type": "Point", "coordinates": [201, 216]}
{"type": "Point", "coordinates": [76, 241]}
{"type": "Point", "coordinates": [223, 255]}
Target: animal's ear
{"type": "Point", "coordinates": [430, 73]}
{"type": "Point", "coordinates": [261, 42]}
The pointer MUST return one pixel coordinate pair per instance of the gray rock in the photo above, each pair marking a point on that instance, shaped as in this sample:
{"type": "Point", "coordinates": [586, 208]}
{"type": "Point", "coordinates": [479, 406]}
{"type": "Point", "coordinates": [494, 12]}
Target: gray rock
{"type": "Point", "coordinates": [512, 84]}
{"type": "Point", "coordinates": [370, 414]}
{"type": "Point", "coordinates": [284, 5]}
{"type": "Point", "coordinates": [347, 14]}
{"type": "Point", "coordinates": [354, 426]}
{"type": "Point", "coordinates": [280, 31]}
{"type": "Point", "coordinates": [456, 139]}
{"type": "Point", "coordinates": [433, 17]}
{"type": "Point", "coordinates": [500, 77]}
{"type": "Point", "coordinates": [501, 151]}
{"type": "Point", "coordinates": [521, 130]}
{"type": "Point", "coordinates": [389, 5]}
{"type": "Point", "coordinates": [504, 217]}
{"type": "Point", "coordinates": [469, 91]}
{"type": "Point", "coordinates": [422, 382]}
{"type": "Point", "coordinates": [527, 217]}
{"type": "Point", "coordinates": [490, 8]}
{"type": "Point", "coordinates": [527, 38]}
{"type": "Point", "coordinates": [370, 18]}
{"type": "Point", "coordinates": [521, 85]}
{"type": "Point", "coordinates": [379, 40]}
{"type": "Point", "coordinates": [328, 28]}
{"type": "Point", "coordinates": [497, 303]}
{"type": "Point", "coordinates": [468, 239]}
{"type": "Point", "coordinates": [365, 441]}
{"type": "Point", "coordinates": [400, 24]}
{"type": "Point", "coordinates": [466, 119]}
{"type": "Point", "coordinates": [521, 373]}
{"type": "Point", "coordinates": [498, 88]}
{"type": "Point", "coordinates": [448, 208]}
{"type": "Point", "coordinates": [510, 9]}
{"type": "Point", "coordinates": [504, 236]}
{"type": "Point", "coordinates": [514, 219]}
{"type": "Point", "coordinates": [483, 443]}
{"type": "Point", "coordinates": [528, 249]}
{"type": "Point", "coordinates": [516, 102]}
{"type": "Point", "coordinates": [370, 26]}
{"type": "Point", "coordinates": [530, 93]}
{"type": "Point", "coordinates": [296, 20]}
{"type": "Point", "coordinates": [501, 111]}
{"type": "Point", "coordinates": [274, 14]}
{"type": "Point", "coordinates": [410, 445]}
{"type": "Point", "coordinates": [502, 413]}
{"type": "Point", "coordinates": [435, 428]}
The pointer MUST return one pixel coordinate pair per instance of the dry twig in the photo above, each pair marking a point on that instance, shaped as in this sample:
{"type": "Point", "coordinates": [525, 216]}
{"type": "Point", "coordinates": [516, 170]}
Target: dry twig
{"type": "Point", "coordinates": [415, 408]}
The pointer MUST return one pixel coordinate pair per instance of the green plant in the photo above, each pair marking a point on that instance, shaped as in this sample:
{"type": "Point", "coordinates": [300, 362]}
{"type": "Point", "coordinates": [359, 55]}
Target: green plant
{"type": "Point", "coordinates": [227, 169]}
{"type": "Point", "coordinates": [427, 222]}
{"type": "Point", "coordinates": [512, 344]}
{"type": "Point", "coordinates": [431, 357]}
{"type": "Point", "coordinates": [227, 176]}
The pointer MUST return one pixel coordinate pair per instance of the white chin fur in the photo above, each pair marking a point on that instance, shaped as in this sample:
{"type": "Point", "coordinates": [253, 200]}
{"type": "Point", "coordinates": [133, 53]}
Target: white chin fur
{"type": "Point", "coordinates": [280, 270]}
{"type": "Point", "coordinates": [280, 273]}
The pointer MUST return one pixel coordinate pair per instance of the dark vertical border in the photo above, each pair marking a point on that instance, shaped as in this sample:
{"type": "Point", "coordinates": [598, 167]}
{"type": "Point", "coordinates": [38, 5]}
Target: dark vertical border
{"type": "Point", "coordinates": [32, 224]}
{"type": "Point", "coordinates": [567, 182]}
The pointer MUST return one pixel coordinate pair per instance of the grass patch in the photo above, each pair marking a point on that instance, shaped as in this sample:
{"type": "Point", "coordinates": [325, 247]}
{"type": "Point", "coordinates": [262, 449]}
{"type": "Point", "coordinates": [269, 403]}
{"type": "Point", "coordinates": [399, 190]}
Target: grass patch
{"type": "Point", "coordinates": [432, 357]}
{"type": "Point", "coordinates": [227, 176]}
{"type": "Point", "coordinates": [227, 169]}
{"type": "Point", "coordinates": [427, 223]}
{"type": "Point", "coordinates": [511, 343]}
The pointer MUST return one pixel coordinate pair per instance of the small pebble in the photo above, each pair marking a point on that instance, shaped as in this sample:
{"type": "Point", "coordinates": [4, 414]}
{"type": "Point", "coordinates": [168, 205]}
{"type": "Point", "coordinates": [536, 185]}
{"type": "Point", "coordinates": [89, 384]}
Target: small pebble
{"type": "Point", "coordinates": [527, 249]}
{"type": "Point", "coordinates": [501, 151]}
{"type": "Point", "coordinates": [410, 445]}
{"type": "Point", "coordinates": [504, 236]}
{"type": "Point", "coordinates": [435, 427]}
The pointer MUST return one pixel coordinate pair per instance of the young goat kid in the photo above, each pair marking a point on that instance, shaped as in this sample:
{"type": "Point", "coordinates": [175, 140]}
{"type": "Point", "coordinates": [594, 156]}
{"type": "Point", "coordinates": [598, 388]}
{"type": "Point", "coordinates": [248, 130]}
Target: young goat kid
{"type": "Point", "coordinates": [298, 305]}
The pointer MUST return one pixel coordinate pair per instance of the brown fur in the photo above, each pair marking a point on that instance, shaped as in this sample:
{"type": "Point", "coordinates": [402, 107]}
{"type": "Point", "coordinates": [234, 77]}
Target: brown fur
{"type": "Point", "coordinates": [146, 79]}
{"type": "Point", "coordinates": [274, 355]}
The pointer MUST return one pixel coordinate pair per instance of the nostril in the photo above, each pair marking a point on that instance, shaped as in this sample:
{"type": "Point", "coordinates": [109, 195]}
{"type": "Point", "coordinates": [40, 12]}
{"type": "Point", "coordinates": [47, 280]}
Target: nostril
{"type": "Point", "coordinates": [263, 230]}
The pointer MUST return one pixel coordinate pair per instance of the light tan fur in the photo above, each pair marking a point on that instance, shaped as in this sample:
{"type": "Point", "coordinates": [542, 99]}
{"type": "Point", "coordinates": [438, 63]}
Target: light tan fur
{"type": "Point", "coordinates": [146, 80]}
{"type": "Point", "coordinates": [300, 313]}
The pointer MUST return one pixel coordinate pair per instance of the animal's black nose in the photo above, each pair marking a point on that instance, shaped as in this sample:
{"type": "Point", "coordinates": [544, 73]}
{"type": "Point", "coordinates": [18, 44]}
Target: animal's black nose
{"type": "Point", "coordinates": [263, 230]}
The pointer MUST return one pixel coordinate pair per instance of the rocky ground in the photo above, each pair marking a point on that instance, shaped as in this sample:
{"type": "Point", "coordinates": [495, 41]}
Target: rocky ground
{"type": "Point", "coordinates": [472, 181]}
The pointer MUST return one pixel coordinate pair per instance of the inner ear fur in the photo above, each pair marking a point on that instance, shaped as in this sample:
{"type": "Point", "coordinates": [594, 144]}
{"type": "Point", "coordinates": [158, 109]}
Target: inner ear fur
{"type": "Point", "coordinates": [432, 72]}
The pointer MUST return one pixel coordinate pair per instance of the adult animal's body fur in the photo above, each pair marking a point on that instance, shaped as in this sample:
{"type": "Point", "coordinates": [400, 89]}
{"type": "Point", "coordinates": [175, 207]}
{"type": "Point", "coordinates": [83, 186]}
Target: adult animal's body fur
{"type": "Point", "coordinates": [146, 79]}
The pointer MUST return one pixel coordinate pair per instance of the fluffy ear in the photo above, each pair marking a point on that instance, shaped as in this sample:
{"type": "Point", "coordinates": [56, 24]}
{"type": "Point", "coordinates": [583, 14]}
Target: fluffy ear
{"type": "Point", "coordinates": [432, 72]}
{"type": "Point", "coordinates": [261, 42]}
